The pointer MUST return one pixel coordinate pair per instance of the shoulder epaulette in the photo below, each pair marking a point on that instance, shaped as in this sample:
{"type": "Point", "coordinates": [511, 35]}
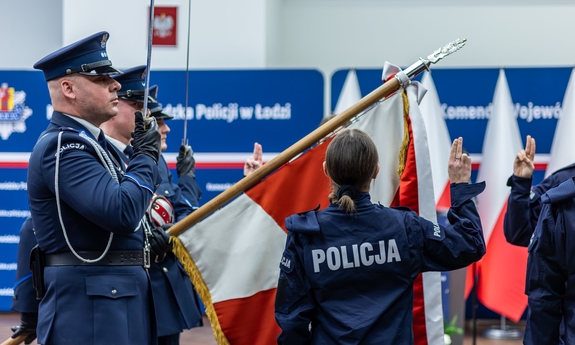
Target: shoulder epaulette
{"type": "Point", "coordinates": [563, 191]}
{"type": "Point", "coordinates": [304, 223]}
{"type": "Point", "coordinates": [568, 167]}
{"type": "Point", "coordinates": [402, 208]}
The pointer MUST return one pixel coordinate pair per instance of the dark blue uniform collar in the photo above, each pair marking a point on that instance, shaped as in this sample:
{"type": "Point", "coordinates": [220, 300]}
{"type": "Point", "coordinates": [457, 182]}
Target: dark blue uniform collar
{"type": "Point", "coordinates": [62, 121]}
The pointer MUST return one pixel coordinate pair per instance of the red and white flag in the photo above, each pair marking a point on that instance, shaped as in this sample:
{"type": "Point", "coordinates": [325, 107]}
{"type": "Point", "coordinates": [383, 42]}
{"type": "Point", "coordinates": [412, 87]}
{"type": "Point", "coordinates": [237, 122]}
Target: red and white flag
{"type": "Point", "coordinates": [238, 248]}
{"type": "Point", "coordinates": [439, 142]}
{"type": "Point", "coordinates": [562, 154]}
{"type": "Point", "coordinates": [501, 281]}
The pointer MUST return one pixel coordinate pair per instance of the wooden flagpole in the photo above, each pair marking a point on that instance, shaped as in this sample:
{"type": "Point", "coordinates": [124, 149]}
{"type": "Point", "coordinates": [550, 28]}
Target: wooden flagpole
{"type": "Point", "coordinates": [15, 341]}
{"type": "Point", "coordinates": [385, 90]}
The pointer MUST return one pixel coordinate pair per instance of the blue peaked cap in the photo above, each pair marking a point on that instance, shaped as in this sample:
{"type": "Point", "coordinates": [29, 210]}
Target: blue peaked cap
{"type": "Point", "coordinates": [133, 82]}
{"type": "Point", "coordinates": [156, 109]}
{"type": "Point", "coordinates": [87, 56]}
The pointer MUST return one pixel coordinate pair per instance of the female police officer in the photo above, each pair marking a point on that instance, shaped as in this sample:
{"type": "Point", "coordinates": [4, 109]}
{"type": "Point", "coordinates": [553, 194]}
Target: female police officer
{"type": "Point", "coordinates": [347, 271]}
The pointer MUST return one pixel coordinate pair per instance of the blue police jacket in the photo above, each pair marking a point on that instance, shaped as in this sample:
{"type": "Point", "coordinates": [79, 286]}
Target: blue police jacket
{"type": "Point", "coordinates": [175, 302]}
{"type": "Point", "coordinates": [172, 192]}
{"type": "Point", "coordinates": [24, 300]}
{"type": "Point", "coordinates": [348, 279]}
{"type": "Point", "coordinates": [91, 304]}
{"type": "Point", "coordinates": [524, 204]}
{"type": "Point", "coordinates": [190, 190]}
{"type": "Point", "coordinates": [551, 269]}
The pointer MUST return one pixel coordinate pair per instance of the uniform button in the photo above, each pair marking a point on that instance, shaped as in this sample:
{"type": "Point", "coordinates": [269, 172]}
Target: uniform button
{"type": "Point", "coordinates": [114, 292]}
{"type": "Point", "coordinates": [166, 192]}
{"type": "Point", "coordinates": [165, 269]}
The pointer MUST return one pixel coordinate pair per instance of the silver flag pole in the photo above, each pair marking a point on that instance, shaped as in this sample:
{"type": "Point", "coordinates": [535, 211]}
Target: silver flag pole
{"type": "Point", "coordinates": [185, 138]}
{"type": "Point", "coordinates": [149, 57]}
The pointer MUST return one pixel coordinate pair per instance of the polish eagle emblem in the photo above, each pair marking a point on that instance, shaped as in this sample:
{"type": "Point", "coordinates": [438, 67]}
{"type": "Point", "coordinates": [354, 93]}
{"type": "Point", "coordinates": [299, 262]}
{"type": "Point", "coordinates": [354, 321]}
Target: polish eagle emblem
{"type": "Point", "coordinates": [163, 25]}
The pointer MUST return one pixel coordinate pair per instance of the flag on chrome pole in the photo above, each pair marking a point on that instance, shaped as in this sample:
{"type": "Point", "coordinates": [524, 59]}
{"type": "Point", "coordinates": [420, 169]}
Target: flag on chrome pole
{"type": "Point", "coordinates": [501, 279]}
{"type": "Point", "coordinates": [562, 153]}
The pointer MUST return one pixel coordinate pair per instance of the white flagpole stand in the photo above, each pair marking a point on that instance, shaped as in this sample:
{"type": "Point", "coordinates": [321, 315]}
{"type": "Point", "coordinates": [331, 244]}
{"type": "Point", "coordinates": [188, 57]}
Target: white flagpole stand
{"type": "Point", "coordinates": [503, 332]}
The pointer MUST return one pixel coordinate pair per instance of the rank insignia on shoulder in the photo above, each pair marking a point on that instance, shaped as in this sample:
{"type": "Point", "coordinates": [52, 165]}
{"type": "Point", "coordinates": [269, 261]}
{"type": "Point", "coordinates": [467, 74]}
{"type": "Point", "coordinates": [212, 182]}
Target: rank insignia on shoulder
{"type": "Point", "coordinates": [305, 223]}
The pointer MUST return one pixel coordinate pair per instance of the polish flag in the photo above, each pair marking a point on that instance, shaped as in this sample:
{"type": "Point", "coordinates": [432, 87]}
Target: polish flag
{"type": "Point", "coordinates": [501, 272]}
{"type": "Point", "coordinates": [562, 153]}
{"type": "Point", "coordinates": [439, 142]}
{"type": "Point", "coordinates": [236, 251]}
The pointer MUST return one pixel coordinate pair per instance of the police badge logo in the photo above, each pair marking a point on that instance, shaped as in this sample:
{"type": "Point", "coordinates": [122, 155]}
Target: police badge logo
{"type": "Point", "coordinates": [13, 112]}
{"type": "Point", "coordinates": [104, 40]}
{"type": "Point", "coordinates": [143, 77]}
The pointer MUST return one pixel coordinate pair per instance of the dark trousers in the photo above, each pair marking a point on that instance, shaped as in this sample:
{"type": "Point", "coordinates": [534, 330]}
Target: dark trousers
{"type": "Point", "coordinates": [172, 339]}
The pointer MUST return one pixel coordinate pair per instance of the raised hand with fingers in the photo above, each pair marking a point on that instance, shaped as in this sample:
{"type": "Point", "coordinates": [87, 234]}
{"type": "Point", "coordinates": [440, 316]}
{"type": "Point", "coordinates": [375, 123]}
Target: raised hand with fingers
{"type": "Point", "coordinates": [255, 161]}
{"type": "Point", "coordinates": [523, 164]}
{"type": "Point", "coordinates": [459, 165]}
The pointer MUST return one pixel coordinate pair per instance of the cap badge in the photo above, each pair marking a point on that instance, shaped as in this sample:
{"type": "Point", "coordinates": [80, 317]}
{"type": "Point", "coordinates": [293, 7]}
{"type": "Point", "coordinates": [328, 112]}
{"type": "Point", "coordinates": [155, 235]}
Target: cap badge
{"type": "Point", "coordinates": [104, 40]}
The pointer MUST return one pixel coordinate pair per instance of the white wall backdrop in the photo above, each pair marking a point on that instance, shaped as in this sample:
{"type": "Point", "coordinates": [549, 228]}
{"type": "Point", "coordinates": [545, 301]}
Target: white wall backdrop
{"type": "Point", "coordinates": [322, 34]}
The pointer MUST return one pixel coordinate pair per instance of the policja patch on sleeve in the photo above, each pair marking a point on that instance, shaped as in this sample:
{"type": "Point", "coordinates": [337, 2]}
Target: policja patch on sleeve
{"type": "Point", "coordinates": [287, 263]}
{"type": "Point", "coordinates": [286, 267]}
{"type": "Point", "coordinates": [434, 231]}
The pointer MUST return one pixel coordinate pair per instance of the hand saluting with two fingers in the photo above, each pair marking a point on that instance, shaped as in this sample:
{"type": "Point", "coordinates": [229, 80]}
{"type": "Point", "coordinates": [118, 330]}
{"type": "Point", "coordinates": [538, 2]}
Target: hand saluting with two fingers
{"type": "Point", "coordinates": [459, 165]}
{"type": "Point", "coordinates": [523, 164]}
{"type": "Point", "coordinates": [255, 161]}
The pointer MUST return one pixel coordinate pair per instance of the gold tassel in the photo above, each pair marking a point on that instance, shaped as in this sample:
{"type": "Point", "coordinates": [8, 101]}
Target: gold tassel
{"type": "Point", "coordinates": [186, 260]}
{"type": "Point", "coordinates": [405, 142]}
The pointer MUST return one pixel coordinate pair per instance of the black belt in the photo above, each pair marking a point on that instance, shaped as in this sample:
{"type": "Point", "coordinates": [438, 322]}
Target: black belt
{"type": "Point", "coordinates": [130, 258]}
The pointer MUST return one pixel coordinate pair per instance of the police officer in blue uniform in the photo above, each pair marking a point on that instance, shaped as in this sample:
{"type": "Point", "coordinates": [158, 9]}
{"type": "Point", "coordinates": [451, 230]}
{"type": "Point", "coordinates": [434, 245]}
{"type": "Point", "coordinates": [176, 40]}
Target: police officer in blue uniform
{"type": "Point", "coordinates": [347, 272]}
{"type": "Point", "coordinates": [524, 203]}
{"type": "Point", "coordinates": [185, 164]}
{"type": "Point", "coordinates": [24, 300]}
{"type": "Point", "coordinates": [87, 211]}
{"type": "Point", "coordinates": [551, 270]}
{"type": "Point", "coordinates": [175, 305]}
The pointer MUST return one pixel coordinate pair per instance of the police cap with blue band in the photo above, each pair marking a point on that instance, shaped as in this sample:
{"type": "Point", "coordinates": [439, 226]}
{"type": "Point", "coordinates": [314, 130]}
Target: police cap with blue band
{"type": "Point", "coordinates": [133, 82]}
{"type": "Point", "coordinates": [156, 109]}
{"type": "Point", "coordinates": [87, 56]}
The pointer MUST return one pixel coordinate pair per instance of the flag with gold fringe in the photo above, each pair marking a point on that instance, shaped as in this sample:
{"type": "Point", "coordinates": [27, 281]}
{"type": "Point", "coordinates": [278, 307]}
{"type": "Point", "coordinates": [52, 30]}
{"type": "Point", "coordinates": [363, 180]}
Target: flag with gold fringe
{"type": "Point", "coordinates": [233, 255]}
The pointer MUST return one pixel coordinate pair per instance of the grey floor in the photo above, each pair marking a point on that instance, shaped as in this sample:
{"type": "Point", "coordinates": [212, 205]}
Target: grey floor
{"type": "Point", "coordinates": [204, 336]}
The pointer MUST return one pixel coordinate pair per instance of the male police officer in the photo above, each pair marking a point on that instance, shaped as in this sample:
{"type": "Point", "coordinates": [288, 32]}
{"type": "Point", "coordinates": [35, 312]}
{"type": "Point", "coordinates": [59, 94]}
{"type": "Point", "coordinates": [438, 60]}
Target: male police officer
{"type": "Point", "coordinates": [174, 300]}
{"type": "Point", "coordinates": [86, 210]}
